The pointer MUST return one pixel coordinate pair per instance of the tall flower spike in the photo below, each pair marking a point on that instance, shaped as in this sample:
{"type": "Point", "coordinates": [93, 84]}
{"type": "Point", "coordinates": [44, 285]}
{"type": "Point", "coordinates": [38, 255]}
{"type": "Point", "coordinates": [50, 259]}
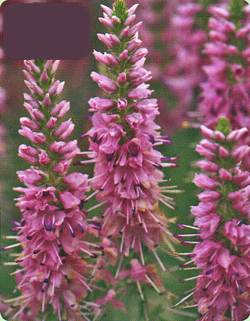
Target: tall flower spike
{"type": "Point", "coordinates": [184, 74]}
{"type": "Point", "coordinates": [159, 36]}
{"type": "Point", "coordinates": [226, 91]}
{"type": "Point", "coordinates": [53, 229]}
{"type": "Point", "coordinates": [127, 169]}
{"type": "Point", "coordinates": [222, 217]}
{"type": "Point", "coordinates": [156, 16]}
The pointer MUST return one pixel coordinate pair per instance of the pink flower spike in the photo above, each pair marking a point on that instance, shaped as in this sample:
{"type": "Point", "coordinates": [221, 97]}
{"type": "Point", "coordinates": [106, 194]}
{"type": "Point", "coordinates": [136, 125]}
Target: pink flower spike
{"type": "Point", "coordinates": [53, 228]}
{"type": "Point", "coordinates": [222, 218]}
{"type": "Point", "coordinates": [127, 167]}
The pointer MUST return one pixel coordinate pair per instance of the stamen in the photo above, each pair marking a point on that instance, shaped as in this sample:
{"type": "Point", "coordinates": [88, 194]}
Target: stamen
{"type": "Point", "coordinates": [169, 165]}
{"type": "Point", "coordinates": [165, 190]}
{"type": "Point", "coordinates": [9, 263]}
{"type": "Point", "coordinates": [81, 279]}
{"type": "Point", "coordinates": [159, 260]}
{"type": "Point", "coordinates": [43, 302]}
{"type": "Point", "coordinates": [9, 237]}
{"type": "Point", "coordinates": [72, 231]}
{"type": "Point", "coordinates": [88, 154]}
{"type": "Point", "coordinates": [140, 291]}
{"type": "Point", "coordinates": [190, 306]}
{"type": "Point", "coordinates": [91, 195]}
{"type": "Point", "coordinates": [153, 216]}
{"type": "Point", "coordinates": [192, 268]}
{"type": "Point", "coordinates": [189, 242]}
{"type": "Point", "coordinates": [96, 206]}
{"type": "Point", "coordinates": [192, 278]}
{"type": "Point", "coordinates": [122, 242]}
{"type": "Point", "coordinates": [189, 226]}
{"type": "Point", "coordinates": [153, 285]}
{"type": "Point", "coordinates": [119, 266]}
{"type": "Point", "coordinates": [82, 163]}
{"type": "Point", "coordinates": [142, 257]}
{"type": "Point", "coordinates": [184, 299]}
{"type": "Point", "coordinates": [96, 177]}
{"type": "Point", "coordinates": [87, 252]}
{"type": "Point", "coordinates": [167, 204]}
{"type": "Point", "coordinates": [184, 254]}
{"type": "Point", "coordinates": [6, 248]}
{"type": "Point", "coordinates": [190, 235]}
{"type": "Point", "coordinates": [245, 253]}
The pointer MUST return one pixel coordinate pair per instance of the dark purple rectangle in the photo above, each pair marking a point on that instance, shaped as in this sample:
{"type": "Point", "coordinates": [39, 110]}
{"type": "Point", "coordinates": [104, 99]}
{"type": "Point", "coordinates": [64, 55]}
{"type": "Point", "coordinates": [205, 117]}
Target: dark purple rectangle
{"type": "Point", "coordinates": [46, 30]}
